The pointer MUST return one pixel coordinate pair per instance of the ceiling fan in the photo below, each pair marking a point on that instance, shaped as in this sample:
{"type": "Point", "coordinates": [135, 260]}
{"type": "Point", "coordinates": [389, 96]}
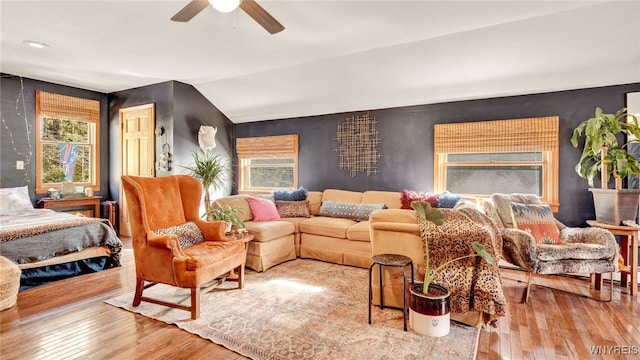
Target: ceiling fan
{"type": "Point", "coordinates": [260, 15]}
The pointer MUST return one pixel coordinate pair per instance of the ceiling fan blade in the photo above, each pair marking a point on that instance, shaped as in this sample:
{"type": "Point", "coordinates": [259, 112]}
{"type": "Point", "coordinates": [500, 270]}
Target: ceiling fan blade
{"type": "Point", "coordinates": [261, 16]}
{"type": "Point", "coordinates": [192, 9]}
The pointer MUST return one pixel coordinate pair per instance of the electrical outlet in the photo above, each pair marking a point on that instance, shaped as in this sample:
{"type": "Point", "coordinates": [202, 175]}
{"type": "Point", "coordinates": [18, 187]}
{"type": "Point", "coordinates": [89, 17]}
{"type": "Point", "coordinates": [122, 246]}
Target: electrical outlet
{"type": "Point", "coordinates": [20, 165]}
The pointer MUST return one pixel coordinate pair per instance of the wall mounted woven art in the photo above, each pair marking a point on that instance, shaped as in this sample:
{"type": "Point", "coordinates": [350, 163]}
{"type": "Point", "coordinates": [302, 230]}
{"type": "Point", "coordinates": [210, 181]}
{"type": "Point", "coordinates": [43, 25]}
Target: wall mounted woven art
{"type": "Point", "coordinates": [357, 138]}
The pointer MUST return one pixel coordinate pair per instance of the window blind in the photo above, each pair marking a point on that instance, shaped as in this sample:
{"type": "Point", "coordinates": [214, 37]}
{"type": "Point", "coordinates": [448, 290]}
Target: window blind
{"type": "Point", "coordinates": [267, 146]}
{"type": "Point", "coordinates": [67, 107]}
{"type": "Point", "coordinates": [514, 135]}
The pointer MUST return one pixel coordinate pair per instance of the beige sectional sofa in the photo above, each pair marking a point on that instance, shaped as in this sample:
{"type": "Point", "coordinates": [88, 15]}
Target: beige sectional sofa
{"type": "Point", "coordinates": [332, 239]}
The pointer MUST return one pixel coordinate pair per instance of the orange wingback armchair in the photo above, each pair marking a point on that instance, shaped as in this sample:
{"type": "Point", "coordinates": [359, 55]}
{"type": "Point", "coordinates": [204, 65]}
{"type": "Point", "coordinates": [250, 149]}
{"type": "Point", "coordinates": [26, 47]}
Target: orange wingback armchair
{"type": "Point", "coordinates": [155, 205]}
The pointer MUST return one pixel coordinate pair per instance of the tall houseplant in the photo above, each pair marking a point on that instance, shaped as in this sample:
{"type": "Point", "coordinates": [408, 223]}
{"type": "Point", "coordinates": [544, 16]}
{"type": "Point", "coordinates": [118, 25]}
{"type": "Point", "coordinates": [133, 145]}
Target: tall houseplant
{"type": "Point", "coordinates": [604, 153]}
{"type": "Point", "coordinates": [429, 308]}
{"type": "Point", "coordinates": [212, 171]}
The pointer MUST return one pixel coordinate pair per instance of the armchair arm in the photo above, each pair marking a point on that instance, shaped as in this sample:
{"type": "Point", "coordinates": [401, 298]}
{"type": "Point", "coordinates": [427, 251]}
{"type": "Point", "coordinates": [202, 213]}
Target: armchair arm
{"type": "Point", "coordinates": [212, 230]}
{"type": "Point", "coordinates": [588, 236]}
{"type": "Point", "coordinates": [168, 242]}
{"type": "Point", "coordinates": [519, 248]}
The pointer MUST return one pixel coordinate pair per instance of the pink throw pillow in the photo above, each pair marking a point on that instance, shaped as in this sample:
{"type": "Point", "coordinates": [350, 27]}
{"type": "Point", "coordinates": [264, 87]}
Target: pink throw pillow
{"type": "Point", "coordinates": [263, 209]}
{"type": "Point", "coordinates": [409, 196]}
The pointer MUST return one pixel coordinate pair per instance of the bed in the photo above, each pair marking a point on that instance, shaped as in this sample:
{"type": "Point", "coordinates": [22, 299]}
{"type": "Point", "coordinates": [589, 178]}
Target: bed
{"type": "Point", "coordinates": [49, 245]}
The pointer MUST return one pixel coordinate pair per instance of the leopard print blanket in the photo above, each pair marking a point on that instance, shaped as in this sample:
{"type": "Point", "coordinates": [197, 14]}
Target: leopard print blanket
{"type": "Point", "coordinates": [473, 283]}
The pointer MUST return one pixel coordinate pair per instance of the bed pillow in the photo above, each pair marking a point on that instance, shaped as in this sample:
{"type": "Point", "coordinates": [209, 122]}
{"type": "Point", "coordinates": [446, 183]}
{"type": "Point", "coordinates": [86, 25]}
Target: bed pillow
{"type": "Point", "coordinates": [290, 209]}
{"type": "Point", "coordinates": [15, 200]}
{"type": "Point", "coordinates": [188, 234]}
{"type": "Point", "coordinates": [263, 209]}
{"type": "Point", "coordinates": [349, 210]}
{"type": "Point", "coordinates": [537, 220]}
{"type": "Point", "coordinates": [408, 196]}
{"type": "Point", "coordinates": [293, 195]}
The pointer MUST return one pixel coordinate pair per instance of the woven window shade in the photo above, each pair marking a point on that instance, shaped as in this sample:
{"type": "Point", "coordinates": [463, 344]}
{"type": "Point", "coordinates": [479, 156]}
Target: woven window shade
{"type": "Point", "coordinates": [67, 107]}
{"type": "Point", "coordinates": [267, 146]}
{"type": "Point", "coordinates": [517, 135]}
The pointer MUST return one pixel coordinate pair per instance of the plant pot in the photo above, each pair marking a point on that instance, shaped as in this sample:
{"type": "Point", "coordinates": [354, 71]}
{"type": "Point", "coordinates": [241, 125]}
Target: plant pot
{"type": "Point", "coordinates": [613, 206]}
{"type": "Point", "coordinates": [429, 314]}
{"type": "Point", "coordinates": [228, 228]}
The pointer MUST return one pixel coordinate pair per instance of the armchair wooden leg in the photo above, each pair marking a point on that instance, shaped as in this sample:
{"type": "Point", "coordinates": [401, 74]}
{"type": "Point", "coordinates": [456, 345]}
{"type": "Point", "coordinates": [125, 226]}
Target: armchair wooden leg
{"type": "Point", "coordinates": [137, 298]}
{"type": "Point", "coordinates": [240, 271]}
{"type": "Point", "coordinates": [527, 292]}
{"type": "Point", "coordinates": [195, 302]}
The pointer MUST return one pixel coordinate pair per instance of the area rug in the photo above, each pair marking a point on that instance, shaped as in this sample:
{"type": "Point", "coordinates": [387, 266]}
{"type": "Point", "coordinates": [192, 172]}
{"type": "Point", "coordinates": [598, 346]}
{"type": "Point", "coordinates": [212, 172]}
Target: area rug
{"type": "Point", "coordinates": [304, 309]}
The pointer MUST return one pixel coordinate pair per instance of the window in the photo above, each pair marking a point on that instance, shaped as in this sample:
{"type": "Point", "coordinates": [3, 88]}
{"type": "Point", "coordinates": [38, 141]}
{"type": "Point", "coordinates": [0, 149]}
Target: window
{"type": "Point", "coordinates": [504, 156]}
{"type": "Point", "coordinates": [268, 162]}
{"type": "Point", "coordinates": [67, 141]}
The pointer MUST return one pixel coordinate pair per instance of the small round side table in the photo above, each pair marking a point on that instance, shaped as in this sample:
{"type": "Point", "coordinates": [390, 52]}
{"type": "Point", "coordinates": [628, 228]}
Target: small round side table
{"type": "Point", "coordinates": [393, 260]}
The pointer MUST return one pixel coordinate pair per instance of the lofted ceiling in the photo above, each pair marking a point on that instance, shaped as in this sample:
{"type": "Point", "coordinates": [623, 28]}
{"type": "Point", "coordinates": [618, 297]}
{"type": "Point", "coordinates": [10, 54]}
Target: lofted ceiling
{"type": "Point", "coordinates": [333, 56]}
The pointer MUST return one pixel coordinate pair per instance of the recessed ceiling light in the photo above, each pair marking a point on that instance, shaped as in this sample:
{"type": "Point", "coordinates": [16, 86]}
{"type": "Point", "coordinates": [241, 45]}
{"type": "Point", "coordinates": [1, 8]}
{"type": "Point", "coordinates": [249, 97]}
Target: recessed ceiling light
{"type": "Point", "coordinates": [36, 44]}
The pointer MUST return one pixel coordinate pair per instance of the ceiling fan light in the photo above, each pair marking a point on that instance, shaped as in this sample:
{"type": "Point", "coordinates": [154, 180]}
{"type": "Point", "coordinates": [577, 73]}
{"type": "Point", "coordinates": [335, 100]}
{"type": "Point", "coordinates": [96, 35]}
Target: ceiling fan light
{"type": "Point", "coordinates": [225, 5]}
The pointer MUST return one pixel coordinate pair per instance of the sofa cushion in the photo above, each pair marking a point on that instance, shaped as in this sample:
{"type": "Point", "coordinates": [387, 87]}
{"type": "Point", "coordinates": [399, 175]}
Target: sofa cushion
{"type": "Point", "coordinates": [348, 210]}
{"type": "Point", "coordinates": [237, 201]}
{"type": "Point", "coordinates": [326, 226]}
{"type": "Point", "coordinates": [353, 197]}
{"type": "Point", "coordinates": [290, 195]}
{"type": "Point", "coordinates": [269, 230]}
{"type": "Point", "coordinates": [389, 198]}
{"type": "Point", "coordinates": [573, 251]}
{"type": "Point", "coordinates": [408, 196]}
{"type": "Point", "coordinates": [289, 209]}
{"type": "Point", "coordinates": [537, 220]}
{"type": "Point", "coordinates": [263, 209]}
{"type": "Point", "coordinates": [315, 201]}
{"type": "Point", "coordinates": [359, 231]}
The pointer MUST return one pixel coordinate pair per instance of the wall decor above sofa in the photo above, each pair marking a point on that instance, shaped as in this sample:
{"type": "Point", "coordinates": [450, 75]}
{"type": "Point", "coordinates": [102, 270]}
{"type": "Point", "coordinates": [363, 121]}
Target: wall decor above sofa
{"type": "Point", "coordinates": [358, 139]}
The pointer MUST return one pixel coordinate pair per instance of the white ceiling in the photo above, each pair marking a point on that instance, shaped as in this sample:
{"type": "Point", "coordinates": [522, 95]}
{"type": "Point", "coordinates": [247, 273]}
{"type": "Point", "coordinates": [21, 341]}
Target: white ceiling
{"type": "Point", "coordinates": [333, 56]}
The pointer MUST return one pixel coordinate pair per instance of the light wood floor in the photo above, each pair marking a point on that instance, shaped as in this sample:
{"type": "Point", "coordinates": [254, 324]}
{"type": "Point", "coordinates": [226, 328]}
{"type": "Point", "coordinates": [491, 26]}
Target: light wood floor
{"type": "Point", "coordinates": [68, 319]}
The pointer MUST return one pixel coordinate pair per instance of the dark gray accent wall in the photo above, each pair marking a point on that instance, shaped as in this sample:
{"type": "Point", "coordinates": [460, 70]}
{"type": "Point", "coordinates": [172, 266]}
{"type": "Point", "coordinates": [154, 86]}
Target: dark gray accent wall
{"type": "Point", "coordinates": [407, 141]}
{"type": "Point", "coordinates": [17, 131]}
{"type": "Point", "coordinates": [180, 109]}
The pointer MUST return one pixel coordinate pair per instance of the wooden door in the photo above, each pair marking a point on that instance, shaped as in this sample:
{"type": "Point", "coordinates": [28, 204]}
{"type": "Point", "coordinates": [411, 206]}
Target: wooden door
{"type": "Point", "coordinates": [137, 126]}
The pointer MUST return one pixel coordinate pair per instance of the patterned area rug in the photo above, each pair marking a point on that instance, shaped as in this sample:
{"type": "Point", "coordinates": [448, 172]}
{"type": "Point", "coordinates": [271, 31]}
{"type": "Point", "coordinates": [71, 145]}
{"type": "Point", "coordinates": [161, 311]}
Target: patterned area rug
{"type": "Point", "coordinates": [304, 309]}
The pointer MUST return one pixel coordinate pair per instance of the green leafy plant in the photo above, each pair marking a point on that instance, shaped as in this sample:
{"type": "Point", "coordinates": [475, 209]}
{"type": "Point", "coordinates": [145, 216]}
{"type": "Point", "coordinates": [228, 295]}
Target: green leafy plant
{"type": "Point", "coordinates": [226, 213]}
{"type": "Point", "coordinates": [601, 146]}
{"type": "Point", "coordinates": [436, 216]}
{"type": "Point", "coordinates": [211, 170]}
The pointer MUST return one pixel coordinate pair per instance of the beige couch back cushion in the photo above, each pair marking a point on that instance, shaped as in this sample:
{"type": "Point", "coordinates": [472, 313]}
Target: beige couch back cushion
{"type": "Point", "coordinates": [315, 201]}
{"type": "Point", "coordinates": [389, 198]}
{"type": "Point", "coordinates": [351, 197]}
{"type": "Point", "coordinates": [237, 201]}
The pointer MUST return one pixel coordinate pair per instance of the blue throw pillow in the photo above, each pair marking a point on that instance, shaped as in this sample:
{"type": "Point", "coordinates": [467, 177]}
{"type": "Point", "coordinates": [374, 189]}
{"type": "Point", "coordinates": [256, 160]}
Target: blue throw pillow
{"type": "Point", "coordinates": [293, 195]}
{"type": "Point", "coordinates": [447, 200]}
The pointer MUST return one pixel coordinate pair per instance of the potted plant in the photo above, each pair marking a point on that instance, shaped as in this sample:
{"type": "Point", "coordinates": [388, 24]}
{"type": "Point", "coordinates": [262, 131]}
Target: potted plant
{"type": "Point", "coordinates": [429, 310]}
{"type": "Point", "coordinates": [226, 213]}
{"type": "Point", "coordinates": [604, 153]}
{"type": "Point", "coordinates": [211, 170]}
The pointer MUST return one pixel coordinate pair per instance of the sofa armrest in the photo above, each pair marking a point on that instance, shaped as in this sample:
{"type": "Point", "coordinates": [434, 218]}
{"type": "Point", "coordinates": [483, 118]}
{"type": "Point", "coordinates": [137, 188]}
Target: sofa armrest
{"type": "Point", "coordinates": [394, 216]}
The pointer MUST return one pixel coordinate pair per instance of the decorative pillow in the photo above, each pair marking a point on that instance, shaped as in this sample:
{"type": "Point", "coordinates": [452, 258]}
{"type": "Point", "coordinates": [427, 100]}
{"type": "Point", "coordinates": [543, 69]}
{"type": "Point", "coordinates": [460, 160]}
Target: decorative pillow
{"type": "Point", "coordinates": [409, 196]}
{"type": "Point", "coordinates": [289, 209]}
{"type": "Point", "coordinates": [15, 200]}
{"type": "Point", "coordinates": [188, 234]}
{"type": "Point", "coordinates": [263, 209]}
{"type": "Point", "coordinates": [537, 220]}
{"type": "Point", "coordinates": [293, 195]}
{"type": "Point", "coordinates": [447, 200]}
{"type": "Point", "coordinates": [349, 210]}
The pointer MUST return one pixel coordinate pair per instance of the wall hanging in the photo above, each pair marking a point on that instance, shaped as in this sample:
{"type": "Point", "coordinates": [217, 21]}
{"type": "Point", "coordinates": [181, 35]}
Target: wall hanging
{"type": "Point", "coordinates": [207, 137]}
{"type": "Point", "coordinates": [358, 138]}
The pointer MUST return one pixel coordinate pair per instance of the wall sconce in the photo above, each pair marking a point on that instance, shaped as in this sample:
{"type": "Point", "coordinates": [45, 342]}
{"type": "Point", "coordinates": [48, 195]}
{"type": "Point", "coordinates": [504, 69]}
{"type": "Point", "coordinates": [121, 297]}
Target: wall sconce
{"type": "Point", "coordinates": [207, 137]}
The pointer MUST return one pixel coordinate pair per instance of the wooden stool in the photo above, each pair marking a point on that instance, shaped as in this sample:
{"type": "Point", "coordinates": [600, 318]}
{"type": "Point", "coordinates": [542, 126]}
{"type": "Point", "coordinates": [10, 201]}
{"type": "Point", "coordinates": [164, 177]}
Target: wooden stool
{"type": "Point", "coordinates": [9, 283]}
{"type": "Point", "coordinates": [400, 261]}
